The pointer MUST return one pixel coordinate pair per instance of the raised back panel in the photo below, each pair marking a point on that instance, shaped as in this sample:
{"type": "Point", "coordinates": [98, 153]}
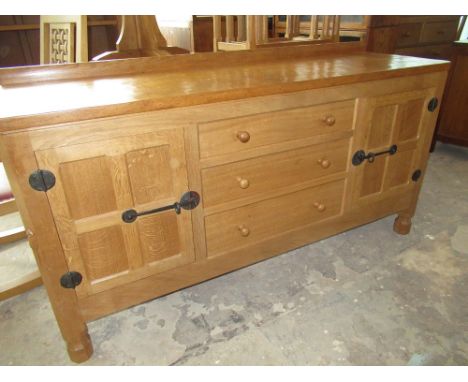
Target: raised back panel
{"type": "Point", "coordinates": [383, 120]}
{"type": "Point", "coordinates": [103, 252]}
{"type": "Point", "coordinates": [150, 173]}
{"type": "Point", "coordinates": [159, 236]}
{"type": "Point", "coordinates": [410, 120]}
{"type": "Point", "coordinates": [88, 187]}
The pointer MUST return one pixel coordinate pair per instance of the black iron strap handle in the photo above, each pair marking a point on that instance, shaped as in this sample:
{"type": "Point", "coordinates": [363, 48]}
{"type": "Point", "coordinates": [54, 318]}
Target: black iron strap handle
{"type": "Point", "coordinates": [360, 155]}
{"type": "Point", "coordinates": [188, 201]}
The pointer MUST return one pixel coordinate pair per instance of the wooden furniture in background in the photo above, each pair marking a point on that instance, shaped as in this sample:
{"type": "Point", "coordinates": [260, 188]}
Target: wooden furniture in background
{"type": "Point", "coordinates": [421, 36]}
{"type": "Point", "coordinates": [453, 118]}
{"type": "Point", "coordinates": [64, 39]}
{"type": "Point", "coordinates": [320, 27]}
{"type": "Point", "coordinates": [257, 135]}
{"type": "Point", "coordinates": [239, 33]}
{"type": "Point", "coordinates": [20, 38]}
{"type": "Point", "coordinates": [349, 27]}
{"type": "Point", "coordinates": [28, 281]}
{"type": "Point", "coordinates": [139, 37]}
{"type": "Point", "coordinates": [251, 32]}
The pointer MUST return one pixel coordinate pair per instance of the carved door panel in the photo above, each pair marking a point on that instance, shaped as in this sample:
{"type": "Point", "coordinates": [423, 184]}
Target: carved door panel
{"type": "Point", "coordinates": [397, 125]}
{"type": "Point", "coordinates": [96, 182]}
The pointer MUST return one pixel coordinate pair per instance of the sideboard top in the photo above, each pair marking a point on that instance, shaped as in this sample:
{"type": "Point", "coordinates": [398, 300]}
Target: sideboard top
{"type": "Point", "coordinates": [48, 94]}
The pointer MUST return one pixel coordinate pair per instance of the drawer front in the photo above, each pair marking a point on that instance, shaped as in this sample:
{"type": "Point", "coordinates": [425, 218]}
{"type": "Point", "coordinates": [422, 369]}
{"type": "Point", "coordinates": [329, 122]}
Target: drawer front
{"type": "Point", "coordinates": [260, 175]}
{"type": "Point", "coordinates": [439, 32]}
{"type": "Point", "coordinates": [241, 227]}
{"type": "Point", "coordinates": [408, 34]}
{"type": "Point", "coordinates": [442, 51]}
{"type": "Point", "coordinates": [247, 133]}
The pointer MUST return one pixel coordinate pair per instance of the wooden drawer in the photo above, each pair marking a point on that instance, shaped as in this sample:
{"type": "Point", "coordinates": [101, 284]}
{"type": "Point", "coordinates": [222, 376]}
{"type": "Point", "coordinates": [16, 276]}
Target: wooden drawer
{"type": "Point", "coordinates": [240, 227]}
{"type": "Point", "coordinates": [408, 34]}
{"type": "Point", "coordinates": [439, 32]}
{"type": "Point", "coordinates": [259, 175]}
{"type": "Point", "coordinates": [442, 51]}
{"type": "Point", "coordinates": [247, 133]}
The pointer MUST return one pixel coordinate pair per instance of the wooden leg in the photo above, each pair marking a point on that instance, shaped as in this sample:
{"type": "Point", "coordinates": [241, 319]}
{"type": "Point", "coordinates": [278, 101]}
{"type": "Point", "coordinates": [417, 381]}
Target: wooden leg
{"type": "Point", "coordinates": [81, 350]}
{"type": "Point", "coordinates": [19, 158]}
{"type": "Point", "coordinates": [402, 224]}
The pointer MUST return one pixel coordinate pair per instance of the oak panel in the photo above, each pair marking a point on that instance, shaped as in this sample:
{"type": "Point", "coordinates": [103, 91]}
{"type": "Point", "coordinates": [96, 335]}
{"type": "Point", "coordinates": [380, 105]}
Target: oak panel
{"type": "Point", "coordinates": [382, 125]}
{"type": "Point", "coordinates": [87, 184]}
{"type": "Point", "coordinates": [159, 236]}
{"type": "Point", "coordinates": [150, 174]}
{"type": "Point", "coordinates": [103, 251]}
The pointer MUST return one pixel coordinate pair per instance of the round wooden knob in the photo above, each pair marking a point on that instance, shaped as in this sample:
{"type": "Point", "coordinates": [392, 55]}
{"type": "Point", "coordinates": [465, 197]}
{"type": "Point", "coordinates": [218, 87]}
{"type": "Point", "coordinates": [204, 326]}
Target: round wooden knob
{"type": "Point", "coordinates": [243, 136]}
{"type": "Point", "coordinates": [243, 183]}
{"type": "Point", "coordinates": [329, 120]}
{"type": "Point", "coordinates": [244, 231]}
{"type": "Point", "coordinates": [325, 163]}
{"type": "Point", "coordinates": [320, 206]}
{"type": "Point", "coordinates": [406, 34]}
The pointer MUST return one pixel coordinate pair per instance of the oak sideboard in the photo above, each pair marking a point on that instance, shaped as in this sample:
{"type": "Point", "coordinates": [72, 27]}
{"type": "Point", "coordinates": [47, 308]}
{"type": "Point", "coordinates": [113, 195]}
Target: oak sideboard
{"type": "Point", "coordinates": [136, 178]}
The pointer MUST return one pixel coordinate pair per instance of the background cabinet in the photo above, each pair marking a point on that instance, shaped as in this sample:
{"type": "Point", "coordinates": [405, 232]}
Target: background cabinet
{"type": "Point", "coordinates": [453, 120]}
{"type": "Point", "coordinates": [421, 36]}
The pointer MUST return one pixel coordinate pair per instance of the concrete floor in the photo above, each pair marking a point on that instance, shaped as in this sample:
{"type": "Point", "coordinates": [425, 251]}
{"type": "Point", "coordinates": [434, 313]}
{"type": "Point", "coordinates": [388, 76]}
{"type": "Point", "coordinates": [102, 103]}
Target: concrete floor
{"type": "Point", "coordinates": [365, 297]}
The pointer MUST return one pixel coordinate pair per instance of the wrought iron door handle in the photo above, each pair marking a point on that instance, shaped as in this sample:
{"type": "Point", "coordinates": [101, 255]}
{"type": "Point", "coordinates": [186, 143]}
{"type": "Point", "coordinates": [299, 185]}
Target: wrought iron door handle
{"type": "Point", "coordinates": [360, 155]}
{"type": "Point", "coordinates": [188, 201]}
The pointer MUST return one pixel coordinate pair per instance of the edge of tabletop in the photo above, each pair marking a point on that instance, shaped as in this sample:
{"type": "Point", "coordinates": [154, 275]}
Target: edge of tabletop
{"type": "Point", "coordinates": [20, 122]}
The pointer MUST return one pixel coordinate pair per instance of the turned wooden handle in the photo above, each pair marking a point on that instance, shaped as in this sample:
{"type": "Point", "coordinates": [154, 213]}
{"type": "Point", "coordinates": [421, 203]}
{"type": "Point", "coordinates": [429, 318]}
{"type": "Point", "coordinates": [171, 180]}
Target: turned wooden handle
{"type": "Point", "coordinates": [329, 120]}
{"type": "Point", "coordinates": [243, 136]}
{"type": "Point", "coordinates": [325, 163]}
{"type": "Point", "coordinates": [320, 206]}
{"type": "Point", "coordinates": [243, 183]}
{"type": "Point", "coordinates": [244, 231]}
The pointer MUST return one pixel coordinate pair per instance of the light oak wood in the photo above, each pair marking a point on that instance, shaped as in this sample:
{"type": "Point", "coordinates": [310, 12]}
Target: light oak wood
{"type": "Point", "coordinates": [258, 176]}
{"type": "Point", "coordinates": [7, 207]}
{"type": "Point", "coordinates": [11, 235]}
{"type": "Point", "coordinates": [17, 287]}
{"type": "Point", "coordinates": [248, 133]}
{"type": "Point", "coordinates": [240, 227]}
{"type": "Point", "coordinates": [287, 182]}
{"type": "Point", "coordinates": [98, 181]}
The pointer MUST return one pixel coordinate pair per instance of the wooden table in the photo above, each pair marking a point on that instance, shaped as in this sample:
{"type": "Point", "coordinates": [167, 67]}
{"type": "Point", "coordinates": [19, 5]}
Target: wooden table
{"type": "Point", "coordinates": [282, 146]}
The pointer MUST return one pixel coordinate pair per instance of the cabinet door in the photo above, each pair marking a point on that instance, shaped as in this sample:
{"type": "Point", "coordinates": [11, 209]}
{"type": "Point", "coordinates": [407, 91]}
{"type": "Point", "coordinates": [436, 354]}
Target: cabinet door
{"type": "Point", "coordinates": [96, 182]}
{"type": "Point", "coordinates": [400, 119]}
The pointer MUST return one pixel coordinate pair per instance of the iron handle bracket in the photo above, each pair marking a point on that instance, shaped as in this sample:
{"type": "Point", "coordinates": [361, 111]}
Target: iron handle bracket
{"type": "Point", "coordinates": [360, 155]}
{"type": "Point", "coordinates": [188, 201]}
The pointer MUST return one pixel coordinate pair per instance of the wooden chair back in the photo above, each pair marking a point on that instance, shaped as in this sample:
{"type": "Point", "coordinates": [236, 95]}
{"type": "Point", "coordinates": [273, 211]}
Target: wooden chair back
{"type": "Point", "coordinates": [234, 32]}
{"type": "Point", "coordinates": [63, 39]}
{"type": "Point", "coordinates": [251, 32]}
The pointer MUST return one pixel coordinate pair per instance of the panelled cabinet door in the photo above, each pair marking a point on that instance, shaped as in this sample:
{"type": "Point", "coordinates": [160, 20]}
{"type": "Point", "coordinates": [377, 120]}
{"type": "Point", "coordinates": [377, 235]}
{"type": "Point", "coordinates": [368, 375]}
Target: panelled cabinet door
{"type": "Point", "coordinates": [400, 119]}
{"type": "Point", "coordinates": [96, 182]}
